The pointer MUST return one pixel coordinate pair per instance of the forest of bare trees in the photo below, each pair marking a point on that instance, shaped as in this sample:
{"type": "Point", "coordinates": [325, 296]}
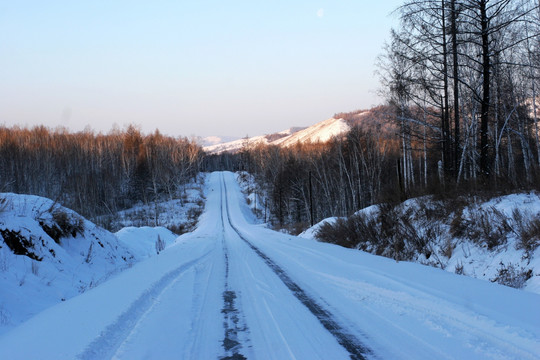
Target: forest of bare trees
{"type": "Point", "coordinates": [461, 78]}
{"type": "Point", "coordinates": [95, 174]}
{"type": "Point", "coordinates": [470, 70]}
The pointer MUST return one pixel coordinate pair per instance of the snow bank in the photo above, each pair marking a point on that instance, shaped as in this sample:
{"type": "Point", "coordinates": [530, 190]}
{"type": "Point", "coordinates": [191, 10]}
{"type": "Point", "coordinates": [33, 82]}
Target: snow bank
{"type": "Point", "coordinates": [464, 255]}
{"type": "Point", "coordinates": [310, 232]}
{"type": "Point", "coordinates": [48, 254]}
{"type": "Point", "coordinates": [142, 241]}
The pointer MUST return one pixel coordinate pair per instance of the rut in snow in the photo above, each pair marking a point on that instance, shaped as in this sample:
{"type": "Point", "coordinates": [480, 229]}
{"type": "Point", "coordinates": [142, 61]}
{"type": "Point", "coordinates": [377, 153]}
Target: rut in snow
{"type": "Point", "coordinates": [231, 316]}
{"type": "Point", "coordinates": [356, 349]}
{"type": "Point", "coordinates": [105, 345]}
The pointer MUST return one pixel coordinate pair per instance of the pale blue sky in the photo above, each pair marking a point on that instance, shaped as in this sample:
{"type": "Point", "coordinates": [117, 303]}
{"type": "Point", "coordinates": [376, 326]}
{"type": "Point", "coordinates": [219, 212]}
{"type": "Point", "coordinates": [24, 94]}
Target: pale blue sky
{"type": "Point", "coordinates": [201, 68]}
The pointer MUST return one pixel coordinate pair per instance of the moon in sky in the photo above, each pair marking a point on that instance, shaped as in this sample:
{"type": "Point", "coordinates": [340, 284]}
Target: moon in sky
{"type": "Point", "coordinates": [320, 13]}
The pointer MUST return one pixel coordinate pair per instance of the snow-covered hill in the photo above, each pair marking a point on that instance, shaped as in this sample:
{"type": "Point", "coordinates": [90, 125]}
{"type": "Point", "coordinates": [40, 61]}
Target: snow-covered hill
{"type": "Point", "coordinates": [215, 140]}
{"type": "Point", "coordinates": [235, 145]}
{"type": "Point", "coordinates": [49, 254]}
{"type": "Point", "coordinates": [321, 132]}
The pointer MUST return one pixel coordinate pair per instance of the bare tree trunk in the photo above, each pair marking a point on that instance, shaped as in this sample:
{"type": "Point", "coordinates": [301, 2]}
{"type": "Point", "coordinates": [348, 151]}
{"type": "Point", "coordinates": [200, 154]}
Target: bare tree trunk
{"type": "Point", "coordinates": [525, 150]}
{"type": "Point", "coordinates": [445, 111]}
{"type": "Point", "coordinates": [486, 80]}
{"type": "Point", "coordinates": [453, 29]}
{"type": "Point", "coordinates": [410, 161]}
{"type": "Point", "coordinates": [425, 152]}
{"type": "Point", "coordinates": [535, 115]}
{"type": "Point", "coordinates": [511, 167]}
{"type": "Point", "coordinates": [533, 88]}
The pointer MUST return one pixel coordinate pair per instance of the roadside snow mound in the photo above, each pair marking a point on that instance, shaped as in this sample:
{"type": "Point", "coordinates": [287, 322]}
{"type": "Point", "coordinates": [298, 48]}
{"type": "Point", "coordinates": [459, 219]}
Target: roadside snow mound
{"type": "Point", "coordinates": [49, 253]}
{"type": "Point", "coordinates": [142, 240]}
{"type": "Point", "coordinates": [496, 240]}
{"type": "Point", "coordinates": [310, 233]}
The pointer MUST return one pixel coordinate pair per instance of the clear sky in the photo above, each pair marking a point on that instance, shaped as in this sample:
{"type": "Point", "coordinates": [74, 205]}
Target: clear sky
{"type": "Point", "coordinates": [208, 67]}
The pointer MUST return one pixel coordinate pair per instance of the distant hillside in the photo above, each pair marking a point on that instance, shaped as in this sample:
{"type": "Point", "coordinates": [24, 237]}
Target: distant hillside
{"type": "Point", "coordinates": [370, 120]}
{"type": "Point", "coordinates": [377, 119]}
{"type": "Point", "coordinates": [320, 132]}
{"type": "Point", "coordinates": [236, 145]}
{"type": "Point", "coordinates": [215, 140]}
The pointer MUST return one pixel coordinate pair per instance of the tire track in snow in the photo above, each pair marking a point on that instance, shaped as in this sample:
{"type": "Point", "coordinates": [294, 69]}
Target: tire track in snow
{"type": "Point", "coordinates": [231, 317]}
{"type": "Point", "coordinates": [356, 349]}
{"type": "Point", "coordinates": [110, 339]}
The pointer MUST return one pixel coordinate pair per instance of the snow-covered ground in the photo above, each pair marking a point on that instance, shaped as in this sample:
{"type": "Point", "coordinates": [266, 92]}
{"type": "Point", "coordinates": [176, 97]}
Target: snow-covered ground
{"type": "Point", "coordinates": [141, 241]}
{"type": "Point", "coordinates": [49, 254]}
{"type": "Point", "coordinates": [468, 256]}
{"type": "Point", "coordinates": [59, 256]}
{"type": "Point", "coordinates": [236, 289]}
{"type": "Point", "coordinates": [179, 213]}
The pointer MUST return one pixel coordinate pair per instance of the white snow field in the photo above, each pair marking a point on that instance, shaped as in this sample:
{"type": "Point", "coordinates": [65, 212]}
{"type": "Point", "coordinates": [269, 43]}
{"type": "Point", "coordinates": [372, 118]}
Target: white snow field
{"type": "Point", "coordinates": [233, 289]}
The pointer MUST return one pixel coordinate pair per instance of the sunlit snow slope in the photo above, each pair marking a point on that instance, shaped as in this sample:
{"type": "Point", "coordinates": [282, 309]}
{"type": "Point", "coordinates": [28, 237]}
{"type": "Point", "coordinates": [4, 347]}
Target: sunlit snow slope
{"type": "Point", "coordinates": [238, 290]}
{"type": "Point", "coordinates": [320, 132]}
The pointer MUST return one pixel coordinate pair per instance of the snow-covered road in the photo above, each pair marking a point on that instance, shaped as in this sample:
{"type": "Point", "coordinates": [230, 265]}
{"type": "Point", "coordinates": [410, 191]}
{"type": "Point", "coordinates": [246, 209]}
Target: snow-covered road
{"type": "Point", "coordinates": [233, 289]}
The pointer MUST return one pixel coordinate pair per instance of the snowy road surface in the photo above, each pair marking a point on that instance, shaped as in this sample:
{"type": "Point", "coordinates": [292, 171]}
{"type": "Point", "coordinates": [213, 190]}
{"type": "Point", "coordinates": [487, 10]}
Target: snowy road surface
{"type": "Point", "coordinates": [237, 290]}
